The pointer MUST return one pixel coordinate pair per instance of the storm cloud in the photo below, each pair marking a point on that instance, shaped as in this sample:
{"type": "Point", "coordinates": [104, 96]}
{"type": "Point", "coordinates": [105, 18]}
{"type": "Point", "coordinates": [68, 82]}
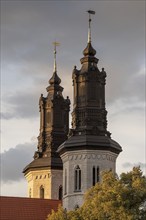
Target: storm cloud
{"type": "Point", "coordinates": [21, 105]}
{"type": "Point", "coordinates": [14, 160]}
{"type": "Point", "coordinates": [29, 28]}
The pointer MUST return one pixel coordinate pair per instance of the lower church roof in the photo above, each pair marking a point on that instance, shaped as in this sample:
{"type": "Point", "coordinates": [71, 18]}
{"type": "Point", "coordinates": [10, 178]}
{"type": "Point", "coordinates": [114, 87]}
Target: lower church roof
{"type": "Point", "coordinates": [18, 208]}
{"type": "Point", "coordinates": [42, 163]}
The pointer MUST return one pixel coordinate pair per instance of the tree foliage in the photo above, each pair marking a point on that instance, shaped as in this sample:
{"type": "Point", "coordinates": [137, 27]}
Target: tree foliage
{"type": "Point", "coordinates": [114, 198]}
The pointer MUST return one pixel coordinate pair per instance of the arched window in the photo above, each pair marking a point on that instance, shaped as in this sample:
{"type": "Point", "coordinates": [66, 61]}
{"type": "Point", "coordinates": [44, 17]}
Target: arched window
{"type": "Point", "coordinates": [41, 192]}
{"type": "Point", "coordinates": [97, 178]}
{"type": "Point", "coordinates": [77, 178]}
{"type": "Point", "coordinates": [65, 182]}
{"type": "Point", "coordinates": [30, 193]}
{"type": "Point", "coordinates": [95, 175]}
{"type": "Point", "coordinates": [60, 193]}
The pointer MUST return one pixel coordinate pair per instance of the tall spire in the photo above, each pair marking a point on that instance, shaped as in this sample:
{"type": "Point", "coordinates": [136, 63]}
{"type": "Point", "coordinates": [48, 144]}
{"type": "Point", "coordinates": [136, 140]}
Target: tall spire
{"type": "Point", "coordinates": [89, 52]}
{"type": "Point", "coordinates": [55, 78]}
{"type": "Point", "coordinates": [55, 52]}
{"type": "Point", "coordinates": [89, 27]}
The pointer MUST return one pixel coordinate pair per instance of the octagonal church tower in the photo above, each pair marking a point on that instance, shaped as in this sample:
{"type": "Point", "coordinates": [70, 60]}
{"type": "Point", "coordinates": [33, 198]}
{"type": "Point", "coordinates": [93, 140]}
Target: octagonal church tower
{"type": "Point", "coordinates": [44, 173]}
{"type": "Point", "coordinates": [89, 148]}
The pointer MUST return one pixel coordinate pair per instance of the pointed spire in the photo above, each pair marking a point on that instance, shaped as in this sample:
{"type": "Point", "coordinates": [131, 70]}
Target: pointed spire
{"type": "Point", "coordinates": [55, 52]}
{"type": "Point", "coordinates": [89, 27]}
{"type": "Point", "coordinates": [55, 78]}
{"type": "Point", "coordinates": [89, 52]}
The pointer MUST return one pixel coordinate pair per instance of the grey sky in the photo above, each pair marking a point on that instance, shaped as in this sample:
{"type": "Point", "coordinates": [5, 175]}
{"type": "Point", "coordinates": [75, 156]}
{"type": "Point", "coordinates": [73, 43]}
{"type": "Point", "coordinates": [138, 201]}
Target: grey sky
{"type": "Point", "coordinates": [28, 29]}
{"type": "Point", "coordinates": [14, 160]}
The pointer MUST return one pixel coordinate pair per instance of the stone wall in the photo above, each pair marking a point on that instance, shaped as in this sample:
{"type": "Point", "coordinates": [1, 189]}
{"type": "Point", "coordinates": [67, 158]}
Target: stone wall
{"type": "Point", "coordinates": [86, 160]}
{"type": "Point", "coordinates": [50, 180]}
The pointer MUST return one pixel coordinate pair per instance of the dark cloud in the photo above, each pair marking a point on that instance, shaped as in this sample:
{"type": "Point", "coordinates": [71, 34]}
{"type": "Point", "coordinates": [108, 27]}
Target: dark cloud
{"type": "Point", "coordinates": [30, 27]}
{"type": "Point", "coordinates": [14, 160]}
{"type": "Point", "coordinates": [7, 115]}
{"type": "Point", "coordinates": [24, 103]}
{"type": "Point", "coordinates": [21, 105]}
{"type": "Point", "coordinates": [135, 86]}
{"type": "Point", "coordinates": [129, 105]}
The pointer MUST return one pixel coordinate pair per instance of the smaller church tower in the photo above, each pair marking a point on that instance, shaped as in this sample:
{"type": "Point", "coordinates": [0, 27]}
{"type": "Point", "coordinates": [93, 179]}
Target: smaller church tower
{"type": "Point", "coordinates": [89, 150]}
{"type": "Point", "coordinates": [44, 173]}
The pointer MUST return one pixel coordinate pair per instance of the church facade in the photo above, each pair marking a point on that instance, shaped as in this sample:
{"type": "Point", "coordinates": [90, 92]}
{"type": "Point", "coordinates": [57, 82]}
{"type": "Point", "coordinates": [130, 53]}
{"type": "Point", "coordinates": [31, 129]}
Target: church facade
{"type": "Point", "coordinates": [73, 159]}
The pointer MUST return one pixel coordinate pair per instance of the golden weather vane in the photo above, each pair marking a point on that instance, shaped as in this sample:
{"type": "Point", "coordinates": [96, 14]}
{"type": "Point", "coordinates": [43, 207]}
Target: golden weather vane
{"type": "Point", "coordinates": [89, 28]}
{"type": "Point", "coordinates": [55, 52]}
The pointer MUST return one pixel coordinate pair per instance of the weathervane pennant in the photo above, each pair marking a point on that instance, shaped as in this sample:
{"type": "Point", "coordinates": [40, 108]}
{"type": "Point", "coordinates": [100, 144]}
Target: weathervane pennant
{"type": "Point", "coordinates": [91, 12]}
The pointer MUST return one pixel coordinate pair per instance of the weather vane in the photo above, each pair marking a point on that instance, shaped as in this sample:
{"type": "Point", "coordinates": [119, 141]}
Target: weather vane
{"type": "Point", "coordinates": [89, 28]}
{"type": "Point", "coordinates": [55, 52]}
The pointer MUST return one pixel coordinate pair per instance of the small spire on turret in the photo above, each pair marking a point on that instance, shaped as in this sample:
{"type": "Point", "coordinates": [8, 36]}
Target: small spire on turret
{"type": "Point", "coordinates": [89, 51]}
{"type": "Point", "coordinates": [55, 78]}
{"type": "Point", "coordinates": [89, 27]}
{"type": "Point", "coordinates": [55, 52]}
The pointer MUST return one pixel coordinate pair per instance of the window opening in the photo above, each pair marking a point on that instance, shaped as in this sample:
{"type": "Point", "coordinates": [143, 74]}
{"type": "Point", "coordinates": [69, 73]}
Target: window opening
{"type": "Point", "coordinates": [95, 175]}
{"type": "Point", "coordinates": [41, 192]}
{"type": "Point", "coordinates": [77, 178]}
{"type": "Point", "coordinates": [30, 193]}
{"type": "Point", "coordinates": [60, 193]}
{"type": "Point", "coordinates": [65, 182]}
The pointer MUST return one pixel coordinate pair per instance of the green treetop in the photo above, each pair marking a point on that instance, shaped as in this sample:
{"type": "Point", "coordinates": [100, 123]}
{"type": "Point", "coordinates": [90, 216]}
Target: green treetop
{"type": "Point", "coordinates": [122, 198]}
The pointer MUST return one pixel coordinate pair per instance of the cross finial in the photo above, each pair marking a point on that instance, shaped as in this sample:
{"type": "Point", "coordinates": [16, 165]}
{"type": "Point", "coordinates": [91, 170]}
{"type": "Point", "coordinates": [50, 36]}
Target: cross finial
{"type": "Point", "coordinates": [55, 52]}
{"type": "Point", "coordinates": [89, 27]}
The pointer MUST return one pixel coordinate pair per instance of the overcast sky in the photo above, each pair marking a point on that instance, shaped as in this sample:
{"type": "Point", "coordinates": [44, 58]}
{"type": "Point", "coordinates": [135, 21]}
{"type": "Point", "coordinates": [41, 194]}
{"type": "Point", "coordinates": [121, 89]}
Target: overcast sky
{"type": "Point", "coordinates": [28, 29]}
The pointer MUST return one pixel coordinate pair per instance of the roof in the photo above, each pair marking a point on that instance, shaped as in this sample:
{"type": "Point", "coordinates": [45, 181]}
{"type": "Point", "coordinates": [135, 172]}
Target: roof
{"type": "Point", "coordinates": [16, 208]}
{"type": "Point", "coordinates": [44, 162]}
{"type": "Point", "coordinates": [91, 142]}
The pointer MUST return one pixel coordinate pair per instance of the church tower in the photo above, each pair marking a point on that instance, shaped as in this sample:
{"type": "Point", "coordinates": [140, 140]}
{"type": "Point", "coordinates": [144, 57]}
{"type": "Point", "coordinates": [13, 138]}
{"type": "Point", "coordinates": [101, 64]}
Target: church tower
{"type": "Point", "coordinates": [44, 173]}
{"type": "Point", "coordinates": [89, 149]}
